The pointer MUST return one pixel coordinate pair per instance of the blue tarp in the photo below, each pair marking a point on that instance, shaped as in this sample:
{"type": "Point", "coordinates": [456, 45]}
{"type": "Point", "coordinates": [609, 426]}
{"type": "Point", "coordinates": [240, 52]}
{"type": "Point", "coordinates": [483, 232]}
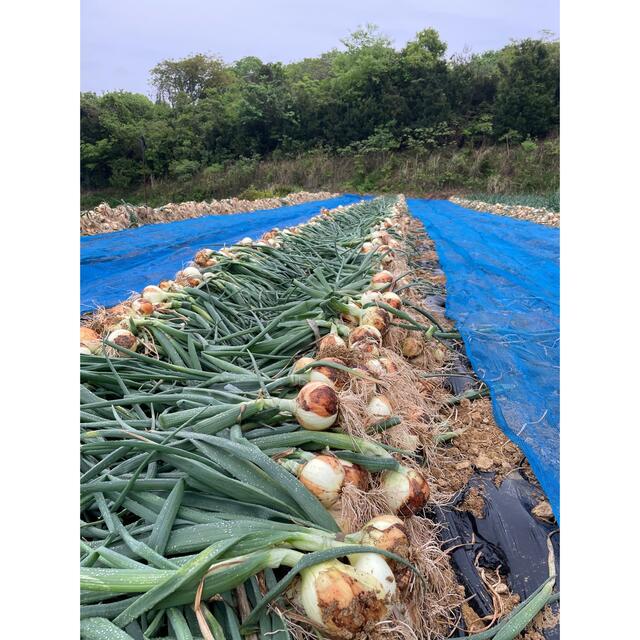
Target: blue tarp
{"type": "Point", "coordinates": [112, 265]}
{"type": "Point", "coordinates": [503, 294]}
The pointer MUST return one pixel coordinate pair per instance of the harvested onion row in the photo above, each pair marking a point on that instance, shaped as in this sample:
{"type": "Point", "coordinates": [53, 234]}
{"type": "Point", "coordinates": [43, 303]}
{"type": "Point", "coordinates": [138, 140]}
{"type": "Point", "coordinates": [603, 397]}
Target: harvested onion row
{"type": "Point", "coordinates": [213, 448]}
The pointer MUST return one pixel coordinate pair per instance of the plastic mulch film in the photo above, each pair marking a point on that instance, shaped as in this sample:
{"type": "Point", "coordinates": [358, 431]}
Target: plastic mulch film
{"type": "Point", "coordinates": [503, 294]}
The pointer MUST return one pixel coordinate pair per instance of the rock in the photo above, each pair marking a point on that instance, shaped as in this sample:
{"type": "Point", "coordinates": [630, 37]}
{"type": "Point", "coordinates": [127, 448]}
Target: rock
{"type": "Point", "coordinates": [484, 462]}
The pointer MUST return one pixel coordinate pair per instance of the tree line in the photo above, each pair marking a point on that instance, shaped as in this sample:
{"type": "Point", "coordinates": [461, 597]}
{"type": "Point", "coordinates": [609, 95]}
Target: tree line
{"type": "Point", "coordinates": [364, 97]}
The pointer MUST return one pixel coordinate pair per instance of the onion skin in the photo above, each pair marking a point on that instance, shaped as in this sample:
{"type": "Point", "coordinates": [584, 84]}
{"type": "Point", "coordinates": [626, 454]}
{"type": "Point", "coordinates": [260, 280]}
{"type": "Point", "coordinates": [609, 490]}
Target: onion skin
{"type": "Point", "coordinates": [344, 601]}
{"type": "Point", "coordinates": [375, 565]}
{"type": "Point", "coordinates": [388, 533]}
{"type": "Point", "coordinates": [354, 474]}
{"type": "Point", "coordinates": [375, 367]}
{"type": "Point", "coordinates": [192, 272]}
{"type": "Point", "coordinates": [370, 296]}
{"type": "Point", "coordinates": [323, 476]}
{"type": "Point", "coordinates": [316, 406]}
{"type": "Point", "coordinates": [406, 491]}
{"type": "Point", "coordinates": [367, 247]}
{"type": "Point", "coordinates": [205, 258]}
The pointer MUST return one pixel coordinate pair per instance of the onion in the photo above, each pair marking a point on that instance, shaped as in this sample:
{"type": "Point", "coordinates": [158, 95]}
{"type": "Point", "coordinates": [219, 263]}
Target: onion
{"type": "Point", "coordinates": [412, 347]}
{"type": "Point", "coordinates": [123, 338]}
{"type": "Point", "coordinates": [392, 299]}
{"type": "Point", "coordinates": [370, 296]}
{"type": "Point", "coordinates": [367, 247]}
{"type": "Point", "coordinates": [165, 285]}
{"type": "Point", "coordinates": [394, 244]}
{"type": "Point", "coordinates": [379, 407]}
{"type": "Point", "coordinates": [382, 235]}
{"type": "Point", "coordinates": [301, 363]}
{"type": "Point", "coordinates": [331, 341]}
{"type": "Point", "coordinates": [324, 477]}
{"type": "Point", "coordinates": [90, 340]}
{"type": "Point", "coordinates": [382, 280]}
{"type": "Point", "coordinates": [347, 603]}
{"type": "Point", "coordinates": [85, 351]}
{"type": "Point", "coordinates": [355, 475]}
{"type": "Point", "coordinates": [245, 242]}
{"type": "Point", "coordinates": [386, 532]}
{"type": "Point", "coordinates": [439, 353]}
{"type": "Point", "coordinates": [349, 319]}
{"type": "Point", "coordinates": [327, 374]}
{"type": "Point", "coordinates": [388, 365]}
{"type": "Point", "coordinates": [192, 272]}
{"type": "Point", "coordinates": [205, 258]}
{"type": "Point", "coordinates": [316, 406]}
{"type": "Point", "coordinates": [405, 491]}
{"type": "Point", "coordinates": [375, 367]}
{"type": "Point", "coordinates": [376, 317]}
{"type": "Point", "coordinates": [228, 253]}
{"type": "Point", "coordinates": [142, 306]}
{"type": "Point", "coordinates": [154, 295]}
{"type": "Point", "coordinates": [365, 334]}
{"type": "Point", "coordinates": [375, 565]}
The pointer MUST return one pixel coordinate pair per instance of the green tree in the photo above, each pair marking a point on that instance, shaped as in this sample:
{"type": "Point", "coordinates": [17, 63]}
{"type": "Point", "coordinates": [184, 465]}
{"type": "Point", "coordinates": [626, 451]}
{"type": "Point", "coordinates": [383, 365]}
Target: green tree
{"type": "Point", "coordinates": [527, 99]}
{"type": "Point", "coordinates": [190, 77]}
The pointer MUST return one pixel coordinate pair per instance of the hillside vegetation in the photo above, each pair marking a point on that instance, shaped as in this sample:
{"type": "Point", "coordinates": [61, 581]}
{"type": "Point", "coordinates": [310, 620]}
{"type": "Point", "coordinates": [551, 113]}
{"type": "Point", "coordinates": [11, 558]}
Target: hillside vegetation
{"type": "Point", "coordinates": [365, 117]}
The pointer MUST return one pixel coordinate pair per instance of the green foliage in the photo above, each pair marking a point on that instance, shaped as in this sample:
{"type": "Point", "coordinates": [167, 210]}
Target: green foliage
{"type": "Point", "coordinates": [212, 122]}
{"type": "Point", "coordinates": [527, 100]}
{"type": "Point", "coordinates": [441, 170]}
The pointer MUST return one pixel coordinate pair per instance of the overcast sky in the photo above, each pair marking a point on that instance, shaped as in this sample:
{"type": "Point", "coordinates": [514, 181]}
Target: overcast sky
{"type": "Point", "coordinates": [121, 40]}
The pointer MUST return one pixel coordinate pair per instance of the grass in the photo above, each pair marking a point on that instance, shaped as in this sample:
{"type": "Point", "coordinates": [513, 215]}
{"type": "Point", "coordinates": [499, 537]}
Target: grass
{"type": "Point", "coordinates": [495, 170]}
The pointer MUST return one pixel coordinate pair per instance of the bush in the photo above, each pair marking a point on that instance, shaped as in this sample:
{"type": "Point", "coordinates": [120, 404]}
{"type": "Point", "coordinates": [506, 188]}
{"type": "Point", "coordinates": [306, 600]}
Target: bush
{"type": "Point", "coordinates": [183, 170]}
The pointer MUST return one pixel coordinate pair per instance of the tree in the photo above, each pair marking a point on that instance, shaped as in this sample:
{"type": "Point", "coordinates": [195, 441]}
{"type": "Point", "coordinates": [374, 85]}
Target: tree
{"type": "Point", "coordinates": [190, 77]}
{"type": "Point", "coordinates": [424, 79]}
{"type": "Point", "coordinates": [527, 100]}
